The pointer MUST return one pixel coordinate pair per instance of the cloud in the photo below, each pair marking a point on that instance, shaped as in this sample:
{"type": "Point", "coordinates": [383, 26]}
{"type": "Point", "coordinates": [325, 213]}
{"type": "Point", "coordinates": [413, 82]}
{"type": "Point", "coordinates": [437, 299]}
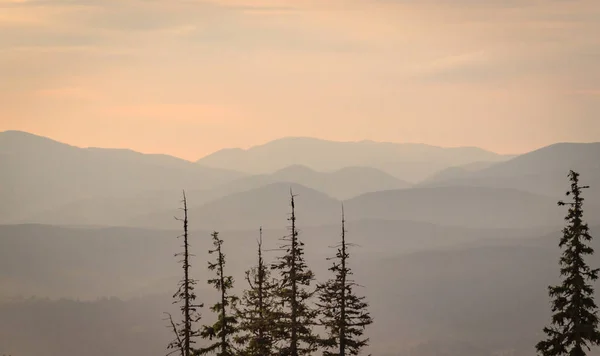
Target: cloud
{"type": "Point", "coordinates": [382, 68]}
{"type": "Point", "coordinates": [109, 23]}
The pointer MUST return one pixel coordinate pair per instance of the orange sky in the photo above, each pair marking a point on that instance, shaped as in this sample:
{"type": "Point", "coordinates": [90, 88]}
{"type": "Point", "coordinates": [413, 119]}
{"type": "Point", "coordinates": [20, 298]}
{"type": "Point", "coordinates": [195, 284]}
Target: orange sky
{"type": "Point", "coordinates": [190, 77]}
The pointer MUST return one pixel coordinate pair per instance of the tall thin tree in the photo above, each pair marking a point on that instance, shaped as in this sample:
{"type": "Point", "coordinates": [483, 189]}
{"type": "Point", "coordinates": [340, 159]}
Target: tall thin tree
{"type": "Point", "coordinates": [574, 322]}
{"type": "Point", "coordinates": [225, 328]}
{"type": "Point", "coordinates": [185, 331]}
{"type": "Point", "coordinates": [344, 314]}
{"type": "Point", "coordinates": [258, 309]}
{"type": "Point", "coordinates": [296, 320]}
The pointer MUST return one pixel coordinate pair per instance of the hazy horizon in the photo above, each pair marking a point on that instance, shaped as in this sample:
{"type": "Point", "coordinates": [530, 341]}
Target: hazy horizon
{"type": "Point", "coordinates": [247, 147]}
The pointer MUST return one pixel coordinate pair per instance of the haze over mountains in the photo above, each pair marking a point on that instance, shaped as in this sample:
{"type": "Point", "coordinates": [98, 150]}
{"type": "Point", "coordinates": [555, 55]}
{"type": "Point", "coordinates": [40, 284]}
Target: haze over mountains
{"type": "Point", "coordinates": [54, 183]}
{"type": "Point", "coordinates": [449, 291]}
{"type": "Point", "coordinates": [538, 171]}
{"type": "Point", "coordinates": [457, 246]}
{"type": "Point", "coordinates": [41, 174]}
{"type": "Point", "coordinates": [410, 162]}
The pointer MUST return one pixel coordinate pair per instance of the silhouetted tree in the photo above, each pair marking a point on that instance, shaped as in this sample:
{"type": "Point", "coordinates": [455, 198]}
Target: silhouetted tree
{"type": "Point", "coordinates": [344, 315]}
{"type": "Point", "coordinates": [177, 344]}
{"type": "Point", "coordinates": [296, 319]}
{"type": "Point", "coordinates": [258, 310]}
{"type": "Point", "coordinates": [574, 322]}
{"type": "Point", "coordinates": [224, 329]}
{"type": "Point", "coordinates": [184, 331]}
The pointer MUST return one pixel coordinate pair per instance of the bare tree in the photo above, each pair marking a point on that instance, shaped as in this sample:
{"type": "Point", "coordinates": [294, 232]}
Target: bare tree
{"type": "Point", "coordinates": [184, 331]}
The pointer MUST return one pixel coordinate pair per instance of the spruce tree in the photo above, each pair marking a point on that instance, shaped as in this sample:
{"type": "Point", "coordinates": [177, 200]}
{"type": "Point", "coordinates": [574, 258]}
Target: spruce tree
{"type": "Point", "coordinates": [184, 331]}
{"type": "Point", "coordinates": [344, 314]}
{"type": "Point", "coordinates": [574, 322]}
{"type": "Point", "coordinates": [296, 319]}
{"type": "Point", "coordinates": [258, 310]}
{"type": "Point", "coordinates": [224, 328]}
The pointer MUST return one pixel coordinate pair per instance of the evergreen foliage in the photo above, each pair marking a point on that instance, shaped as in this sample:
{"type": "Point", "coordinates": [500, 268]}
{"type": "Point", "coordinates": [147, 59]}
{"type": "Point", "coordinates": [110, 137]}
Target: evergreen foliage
{"type": "Point", "coordinates": [344, 314]}
{"type": "Point", "coordinates": [297, 317]}
{"type": "Point", "coordinates": [574, 322]}
{"type": "Point", "coordinates": [225, 328]}
{"type": "Point", "coordinates": [184, 331]}
{"type": "Point", "coordinates": [258, 310]}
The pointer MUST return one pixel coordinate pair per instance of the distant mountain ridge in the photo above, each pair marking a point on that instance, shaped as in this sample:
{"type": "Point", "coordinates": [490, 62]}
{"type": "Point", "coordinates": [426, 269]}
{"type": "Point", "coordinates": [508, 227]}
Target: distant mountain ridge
{"type": "Point", "coordinates": [110, 210]}
{"type": "Point", "coordinates": [457, 172]}
{"type": "Point", "coordinates": [39, 173]}
{"type": "Point", "coordinates": [343, 183]}
{"type": "Point", "coordinates": [543, 171]}
{"type": "Point", "coordinates": [458, 206]}
{"type": "Point", "coordinates": [45, 181]}
{"type": "Point", "coordinates": [265, 206]}
{"type": "Point", "coordinates": [456, 265]}
{"type": "Point", "coordinates": [406, 161]}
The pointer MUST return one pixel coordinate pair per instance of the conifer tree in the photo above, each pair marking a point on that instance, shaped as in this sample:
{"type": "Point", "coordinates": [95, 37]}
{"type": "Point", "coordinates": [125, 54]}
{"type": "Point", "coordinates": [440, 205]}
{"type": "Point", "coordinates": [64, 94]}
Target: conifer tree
{"type": "Point", "coordinates": [574, 322]}
{"type": "Point", "coordinates": [184, 331]}
{"type": "Point", "coordinates": [258, 310]}
{"type": "Point", "coordinates": [224, 329]}
{"type": "Point", "coordinates": [296, 319]}
{"type": "Point", "coordinates": [344, 315]}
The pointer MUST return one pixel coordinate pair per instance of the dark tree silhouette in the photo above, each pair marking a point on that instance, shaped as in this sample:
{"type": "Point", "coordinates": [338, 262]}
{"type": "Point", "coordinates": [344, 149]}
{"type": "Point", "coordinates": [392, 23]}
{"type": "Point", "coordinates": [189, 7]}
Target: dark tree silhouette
{"type": "Point", "coordinates": [184, 331]}
{"type": "Point", "coordinates": [225, 328]}
{"type": "Point", "coordinates": [574, 322]}
{"type": "Point", "coordinates": [177, 344]}
{"type": "Point", "coordinates": [344, 315]}
{"type": "Point", "coordinates": [258, 310]}
{"type": "Point", "coordinates": [295, 321]}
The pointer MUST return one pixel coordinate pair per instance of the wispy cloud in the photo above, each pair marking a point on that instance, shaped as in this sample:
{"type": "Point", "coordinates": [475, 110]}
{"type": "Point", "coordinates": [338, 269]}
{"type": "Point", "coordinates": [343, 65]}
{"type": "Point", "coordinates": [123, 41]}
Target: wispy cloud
{"type": "Point", "coordinates": [388, 69]}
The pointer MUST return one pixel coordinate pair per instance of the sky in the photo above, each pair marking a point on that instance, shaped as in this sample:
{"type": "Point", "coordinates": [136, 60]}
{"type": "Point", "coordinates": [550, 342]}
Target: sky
{"type": "Point", "coordinates": [189, 77]}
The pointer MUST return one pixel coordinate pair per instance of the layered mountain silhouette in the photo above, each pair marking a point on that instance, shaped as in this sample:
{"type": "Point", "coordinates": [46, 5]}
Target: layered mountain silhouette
{"type": "Point", "coordinates": [40, 174]}
{"type": "Point", "coordinates": [409, 162]}
{"type": "Point", "coordinates": [455, 263]}
{"type": "Point", "coordinates": [542, 171]}
{"type": "Point", "coordinates": [266, 206]}
{"type": "Point", "coordinates": [344, 183]}
{"type": "Point", "coordinates": [476, 207]}
{"type": "Point", "coordinates": [457, 172]}
{"type": "Point", "coordinates": [54, 183]}
{"type": "Point", "coordinates": [461, 206]}
{"type": "Point", "coordinates": [119, 210]}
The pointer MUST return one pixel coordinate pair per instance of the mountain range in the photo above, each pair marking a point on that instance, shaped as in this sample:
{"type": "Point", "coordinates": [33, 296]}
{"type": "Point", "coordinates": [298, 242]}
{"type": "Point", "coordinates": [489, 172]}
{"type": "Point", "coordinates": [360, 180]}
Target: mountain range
{"type": "Point", "coordinates": [40, 174]}
{"type": "Point", "coordinates": [409, 162]}
{"type": "Point", "coordinates": [542, 171]}
{"type": "Point", "coordinates": [454, 246]}
{"type": "Point", "coordinates": [55, 183]}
